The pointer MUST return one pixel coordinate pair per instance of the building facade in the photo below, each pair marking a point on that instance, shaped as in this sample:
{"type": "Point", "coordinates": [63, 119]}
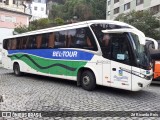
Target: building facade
{"type": "Point", "coordinates": [36, 8]}
{"type": "Point", "coordinates": [116, 7]}
{"type": "Point", "coordinates": [12, 13]}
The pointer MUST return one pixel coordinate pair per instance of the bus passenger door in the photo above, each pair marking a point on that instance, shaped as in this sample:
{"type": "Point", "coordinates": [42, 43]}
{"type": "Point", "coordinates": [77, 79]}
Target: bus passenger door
{"type": "Point", "coordinates": [121, 63]}
{"type": "Point", "coordinates": [106, 72]}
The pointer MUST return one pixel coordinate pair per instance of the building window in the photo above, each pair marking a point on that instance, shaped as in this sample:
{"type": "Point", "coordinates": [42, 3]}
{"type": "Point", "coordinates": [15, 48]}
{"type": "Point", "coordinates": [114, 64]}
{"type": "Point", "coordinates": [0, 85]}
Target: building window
{"type": "Point", "coordinates": [115, 1]}
{"type": "Point", "coordinates": [109, 12]}
{"type": "Point", "coordinates": [127, 6]}
{"type": "Point", "coordinates": [35, 8]}
{"type": "Point", "coordinates": [39, 1]}
{"type": "Point", "coordinates": [7, 2]}
{"type": "Point", "coordinates": [138, 2]}
{"type": "Point", "coordinates": [42, 9]}
{"type": "Point", "coordinates": [155, 9]}
{"type": "Point", "coordinates": [116, 10]}
{"type": "Point", "coordinates": [7, 19]}
{"type": "Point", "coordinates": [109, 2]}
{"type": "Point", "coordinates": [14, 1]}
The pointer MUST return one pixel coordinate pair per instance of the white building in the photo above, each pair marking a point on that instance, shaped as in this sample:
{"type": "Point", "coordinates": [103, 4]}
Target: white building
{"type": "Point", "coordinates": [36, 8]}
{"type": "Point", "coordinates": [116, 7]}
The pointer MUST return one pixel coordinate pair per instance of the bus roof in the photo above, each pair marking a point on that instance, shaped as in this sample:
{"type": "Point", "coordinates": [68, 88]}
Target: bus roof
{"type": "Point", "coordinates": [71, 26]}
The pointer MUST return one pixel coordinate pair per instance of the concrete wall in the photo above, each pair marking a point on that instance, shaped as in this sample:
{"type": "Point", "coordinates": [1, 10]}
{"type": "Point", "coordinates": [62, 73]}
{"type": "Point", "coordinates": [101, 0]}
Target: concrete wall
{"type": "Point", "coordinates": [10, 19]}
{"type": "Point", "coordinates": [5, 32]}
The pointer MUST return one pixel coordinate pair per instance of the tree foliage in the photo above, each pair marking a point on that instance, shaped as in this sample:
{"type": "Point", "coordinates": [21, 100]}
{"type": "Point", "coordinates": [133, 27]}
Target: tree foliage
{"type": "Point", "coordinates": [144, 21]}
{"type": "Point", "coordinates": [65, 10]}
{"type": "Point", "coordinates": [36, 25]}
{"type": "Point", "coordinates": [83, 9]}
{"type": "Point", "coordinates": [59, 21]}
{"type": "Point", "coordinates": [20, 29]}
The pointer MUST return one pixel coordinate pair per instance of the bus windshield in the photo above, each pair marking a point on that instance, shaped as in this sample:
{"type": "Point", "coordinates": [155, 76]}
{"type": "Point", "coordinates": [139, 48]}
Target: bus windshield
{"type": "Point", "coordinates": [141, 53]}
{"type": "Point", "coordinates": [105, 33]}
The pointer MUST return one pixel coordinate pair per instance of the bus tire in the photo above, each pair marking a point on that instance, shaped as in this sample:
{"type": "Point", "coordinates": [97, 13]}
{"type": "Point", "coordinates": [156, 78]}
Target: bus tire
{"type": "Point", "coordinates": [88, 81]}
{"type": "Point", "coordinates": [16, 69]}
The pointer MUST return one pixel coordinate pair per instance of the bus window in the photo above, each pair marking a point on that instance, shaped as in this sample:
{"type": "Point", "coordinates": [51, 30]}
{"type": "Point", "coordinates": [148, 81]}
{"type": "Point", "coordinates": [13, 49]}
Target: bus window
{"type": "Point", "coordinates": [20, 43]}
{"type": "Point", "coordinates": [90, 41]}
{"type": "Point", "coordinates": [30, 43]}
{"type": "Point", "coordinates": [60, 39]}
{"type": "Point", "coordinates": [51, 40]}
{"type": "Point", "coordinates": [89, 44]}
{"type": "Point", "coordinates": [71, 33]}
{"type": "Point", "coordinates": [45, 38]}
{"type": "Point", "coordinates": [120, 49]}
{"type": "Point", "coordinates": [25, 42]}
{"type": "Point", "coordinates": [14, 44]}
{"type": "Point", "coordinates": [33, 42]}
{"type": "Point", "coordinates": [38, 41]}
{"type": "Point", "coordinates": [81, 38]}
{"type": "Point", "coordinates": [6, 44]}
{"type": "Point", "coordinates": [9, 44]}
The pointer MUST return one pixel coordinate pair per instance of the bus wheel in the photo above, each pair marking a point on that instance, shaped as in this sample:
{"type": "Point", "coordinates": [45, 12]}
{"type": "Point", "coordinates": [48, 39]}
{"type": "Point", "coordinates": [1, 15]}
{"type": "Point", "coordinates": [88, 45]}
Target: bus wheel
{"type": "Point", "coordinates": [88, 80]}
{"type": "Point", "coordinates": [16, 69]}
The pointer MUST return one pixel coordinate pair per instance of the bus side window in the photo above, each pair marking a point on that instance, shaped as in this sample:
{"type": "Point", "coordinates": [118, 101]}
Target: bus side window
{"type": "Point", "coordinates": [120, 50]}
{"type": "Point", "coordinates": [89, 44]}
{"type": "Point", "coordinates": [38, 41]}
{"type": "Point", "coordinates": [83, 38]}
{"type": "Point", "coordinates": [90, 41]}
{"type": "Point", "coordinates": [5, 44]}
{"type": "Point", "coordinates": [14, 44]}
{"type": "Point", "coordinates": [34, 44]}
{"type": "Point", "coordinates": [20, 43]}
{"type": "Point", "coordinates": [9, 44]}
{"type": "Point", "coordinates": [80, 38]}
{"type": "Point", "coordinates": [60, 39]}
{"type": "Point", "coordinates": [28, 43]}
{"type": "Point", "coordinates": [31, 42]}
{"type": "Point", "coordinates": [45, 38]}
{"type": "Point", "coordinates": [70, 38]}
{"type": "Point", "coordinates": [51, 41]}
{"type": "Point", "coordinates": [25, 42]}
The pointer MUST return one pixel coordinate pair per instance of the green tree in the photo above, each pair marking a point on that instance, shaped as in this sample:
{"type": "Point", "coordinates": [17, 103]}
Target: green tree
{"type": "Point", "coordinates": [20, 29]}
{"type": "Point", "coordinates": [39, 24]}
{"type": "Point", "coordinates": [59, 21]}
{"type": "Point", "coordinates": [34, 25]}
{"type": "Point", "coordinates": [144, 21]}
{"type": "Point", "coordinates": [56, 11]}
{"type": "Point", "coordinates": [83, 9]}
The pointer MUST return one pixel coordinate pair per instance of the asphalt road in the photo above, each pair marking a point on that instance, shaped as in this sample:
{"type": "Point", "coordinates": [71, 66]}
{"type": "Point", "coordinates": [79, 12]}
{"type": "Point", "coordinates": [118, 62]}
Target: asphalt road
{"type": "Point", "coordinates": [39, 93]}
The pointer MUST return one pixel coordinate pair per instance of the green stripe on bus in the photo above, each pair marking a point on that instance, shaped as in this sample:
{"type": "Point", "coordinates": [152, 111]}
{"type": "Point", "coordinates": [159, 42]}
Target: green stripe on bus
{"type": "Point", "coordinates": [57, 67]}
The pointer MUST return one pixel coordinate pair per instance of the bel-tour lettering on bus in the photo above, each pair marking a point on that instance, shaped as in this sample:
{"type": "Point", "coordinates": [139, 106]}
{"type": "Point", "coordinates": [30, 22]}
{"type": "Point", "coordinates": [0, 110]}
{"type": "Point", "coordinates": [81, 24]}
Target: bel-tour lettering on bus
{"type": "Point", "coordinates": [71, 54]}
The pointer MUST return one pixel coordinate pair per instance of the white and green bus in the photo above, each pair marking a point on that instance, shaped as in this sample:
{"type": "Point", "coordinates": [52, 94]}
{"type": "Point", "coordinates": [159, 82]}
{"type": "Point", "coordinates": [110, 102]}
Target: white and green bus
{"type": "Point", "coordinates": [96, 52]}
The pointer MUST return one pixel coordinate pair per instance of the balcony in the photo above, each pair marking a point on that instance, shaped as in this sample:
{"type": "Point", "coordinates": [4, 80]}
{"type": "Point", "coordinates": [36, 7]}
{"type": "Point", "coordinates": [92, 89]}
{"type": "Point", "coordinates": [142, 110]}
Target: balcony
{"type": "Point", "coordinates": [13, 7]}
